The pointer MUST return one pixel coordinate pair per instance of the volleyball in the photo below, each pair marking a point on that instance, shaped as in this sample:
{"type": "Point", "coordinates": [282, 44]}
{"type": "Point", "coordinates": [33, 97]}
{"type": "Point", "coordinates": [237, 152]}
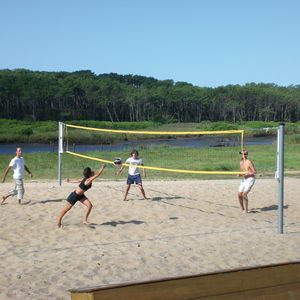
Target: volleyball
{"type": "Point", "coordinates": [117, 161]}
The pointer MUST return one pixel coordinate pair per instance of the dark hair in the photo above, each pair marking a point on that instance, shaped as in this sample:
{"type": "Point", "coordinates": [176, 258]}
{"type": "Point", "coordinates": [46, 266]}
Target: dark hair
{"type": "Point", "coordinates": [135, 151]}
{"type": "Point", "coordinates": [87, 172]}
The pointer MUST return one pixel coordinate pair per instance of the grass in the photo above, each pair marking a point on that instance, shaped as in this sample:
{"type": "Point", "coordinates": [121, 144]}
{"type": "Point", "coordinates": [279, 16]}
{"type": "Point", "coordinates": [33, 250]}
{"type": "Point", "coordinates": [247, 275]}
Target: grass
{"type": "Point", "coordinates": [45, 165]}
{"type": "Point", "coordinates": [16, 131]}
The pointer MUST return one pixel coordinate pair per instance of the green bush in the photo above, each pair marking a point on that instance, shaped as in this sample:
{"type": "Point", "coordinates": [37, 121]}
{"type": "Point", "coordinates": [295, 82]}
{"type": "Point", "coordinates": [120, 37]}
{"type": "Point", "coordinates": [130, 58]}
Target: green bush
{"type": "Point", "coordinates": [25, 131]}
{"type": "Point", "coordinates": [262, 132]}
{"type": "Point", "coordinates": [223, 126]}
{"type": "Point", "coordinates": [258, 124]}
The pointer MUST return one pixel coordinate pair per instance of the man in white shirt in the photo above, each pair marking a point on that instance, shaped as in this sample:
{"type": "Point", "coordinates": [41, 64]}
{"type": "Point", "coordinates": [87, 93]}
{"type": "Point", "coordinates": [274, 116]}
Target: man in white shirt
{"type": "Point", "coordinates": [133, 173]}
{"type": "Point", "coordinates": [18, 165]}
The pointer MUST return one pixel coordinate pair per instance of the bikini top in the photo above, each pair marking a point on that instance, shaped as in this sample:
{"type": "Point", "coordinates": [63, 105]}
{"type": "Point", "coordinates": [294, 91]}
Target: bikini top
{"type": "Point", "coordinates": [83, 186]}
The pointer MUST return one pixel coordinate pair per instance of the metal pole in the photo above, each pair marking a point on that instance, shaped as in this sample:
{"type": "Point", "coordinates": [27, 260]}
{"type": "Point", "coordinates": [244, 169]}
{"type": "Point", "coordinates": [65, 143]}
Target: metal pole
{"type": "Point", "coordinates": [277, 157]}
{"type": "Point", "coordinates": [59, 168]}
{"type": "Point", "coordinates": [280, 177]}
{"type": "Point", "coordinates": [60, 149]}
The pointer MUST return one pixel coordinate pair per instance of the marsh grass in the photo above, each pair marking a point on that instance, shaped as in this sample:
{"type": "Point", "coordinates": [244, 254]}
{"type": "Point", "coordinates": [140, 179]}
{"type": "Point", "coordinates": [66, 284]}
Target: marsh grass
{"type": "Point", "coordinates": [17, 131]}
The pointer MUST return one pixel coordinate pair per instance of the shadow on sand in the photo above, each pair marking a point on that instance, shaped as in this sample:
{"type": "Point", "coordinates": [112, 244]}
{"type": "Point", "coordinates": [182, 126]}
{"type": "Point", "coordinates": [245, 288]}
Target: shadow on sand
{"type": "Point", "coordinates": [46, 201]}
{"type": "Point", "coordinates": [267, 208]}
{"type": "Point", "coordinates": [165, 198]}
{"type": "Point", "coordinates": [116, 223]}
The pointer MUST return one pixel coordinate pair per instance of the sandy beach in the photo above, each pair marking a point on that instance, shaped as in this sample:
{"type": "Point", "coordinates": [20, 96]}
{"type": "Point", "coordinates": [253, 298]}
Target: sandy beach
{"type": "Point", "coordinates": [185, 227]}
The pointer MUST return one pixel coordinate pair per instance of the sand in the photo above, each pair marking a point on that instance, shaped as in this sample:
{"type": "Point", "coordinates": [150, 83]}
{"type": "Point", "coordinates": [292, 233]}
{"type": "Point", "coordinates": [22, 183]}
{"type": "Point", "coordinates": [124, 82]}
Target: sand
{"type": "Point", "coordinates": [185, 227]}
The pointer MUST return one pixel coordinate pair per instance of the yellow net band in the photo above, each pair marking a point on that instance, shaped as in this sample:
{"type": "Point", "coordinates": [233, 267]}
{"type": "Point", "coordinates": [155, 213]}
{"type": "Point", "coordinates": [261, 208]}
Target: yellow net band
{"type": "Point", "coordinates": [157, 132]}
{"type": "Point", "coordinates": [157, 169]}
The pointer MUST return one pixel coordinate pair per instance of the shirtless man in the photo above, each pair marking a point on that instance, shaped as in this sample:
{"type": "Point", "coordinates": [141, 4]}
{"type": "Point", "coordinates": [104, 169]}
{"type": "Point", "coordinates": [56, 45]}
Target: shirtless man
{"type": "Point", "coordinates": [247, 182]}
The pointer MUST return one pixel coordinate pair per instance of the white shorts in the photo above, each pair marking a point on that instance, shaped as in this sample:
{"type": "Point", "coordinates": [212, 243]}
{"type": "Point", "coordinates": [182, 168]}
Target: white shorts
{"type": "Point", "coordinates": [246, 184]}
{"type": "Point", "coordinates": [19, 189]}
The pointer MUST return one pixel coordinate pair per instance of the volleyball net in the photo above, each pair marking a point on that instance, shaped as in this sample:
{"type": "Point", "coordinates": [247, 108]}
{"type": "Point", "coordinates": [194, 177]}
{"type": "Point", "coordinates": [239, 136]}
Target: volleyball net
{"type": "Point", "coordinates": [189, 152]}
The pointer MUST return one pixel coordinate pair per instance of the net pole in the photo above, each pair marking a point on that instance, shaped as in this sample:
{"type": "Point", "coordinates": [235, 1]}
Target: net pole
{"type": "Point", "coordinates": [280, 158]}
{"type": "Point", "coordinates": [60, 149]}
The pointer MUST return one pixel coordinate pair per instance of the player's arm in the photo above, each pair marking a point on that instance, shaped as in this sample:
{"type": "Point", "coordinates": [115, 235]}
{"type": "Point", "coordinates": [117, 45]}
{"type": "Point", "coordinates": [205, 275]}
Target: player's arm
{"type": "Point", "coordinates": [74, 181]}
{"type": "Point", "coordinates": [89, 180]}
{"type": "Point", "coordinates": [5, 173]}
{"type": "Point", "coordinates": [144, 170]}
{"type": "Point", "coordinates": [121, 169]}
{"type": "Point", "coordinates": [27, 170]}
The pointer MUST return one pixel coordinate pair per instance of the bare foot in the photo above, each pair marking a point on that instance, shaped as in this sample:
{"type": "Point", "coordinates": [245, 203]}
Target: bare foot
{"type": "Point", "coordinates": [58, 225]}
{"type": "Point", "coordinates": [86, 223]}
{"type": "Point", "coordinates": [19, 201]}
{"type": "Point", "coordinates": [3, 199]}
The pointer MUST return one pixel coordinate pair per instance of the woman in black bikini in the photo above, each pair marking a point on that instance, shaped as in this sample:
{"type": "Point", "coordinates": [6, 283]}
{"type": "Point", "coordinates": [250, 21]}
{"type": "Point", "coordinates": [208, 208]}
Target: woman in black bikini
{"type": "Point", "coordinates": [78, 194]}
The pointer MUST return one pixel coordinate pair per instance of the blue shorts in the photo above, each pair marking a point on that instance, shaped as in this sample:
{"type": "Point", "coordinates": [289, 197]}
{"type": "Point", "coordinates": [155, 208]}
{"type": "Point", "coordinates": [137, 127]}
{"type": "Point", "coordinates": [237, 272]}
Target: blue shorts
{"type": "Point", "coordinates": [134, 179]}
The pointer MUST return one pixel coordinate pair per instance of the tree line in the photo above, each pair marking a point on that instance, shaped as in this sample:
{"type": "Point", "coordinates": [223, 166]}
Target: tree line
{"type": "Point", "coordinates": [83, 95]}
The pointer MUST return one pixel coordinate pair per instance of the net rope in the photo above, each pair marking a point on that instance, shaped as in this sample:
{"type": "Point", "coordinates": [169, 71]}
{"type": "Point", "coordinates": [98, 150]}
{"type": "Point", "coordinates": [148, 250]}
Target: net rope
{"type": "Point", "coordinates": [159, 133]}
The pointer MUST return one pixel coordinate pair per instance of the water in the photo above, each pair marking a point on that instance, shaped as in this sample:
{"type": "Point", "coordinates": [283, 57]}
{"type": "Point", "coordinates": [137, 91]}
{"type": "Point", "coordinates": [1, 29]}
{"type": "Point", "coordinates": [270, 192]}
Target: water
{"type": "Point", "coordinates": [7, 149]}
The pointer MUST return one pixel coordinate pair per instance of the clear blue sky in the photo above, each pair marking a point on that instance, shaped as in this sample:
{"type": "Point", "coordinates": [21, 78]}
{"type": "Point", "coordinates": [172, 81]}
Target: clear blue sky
{"type": "Point", "coordinates": [203, 42]}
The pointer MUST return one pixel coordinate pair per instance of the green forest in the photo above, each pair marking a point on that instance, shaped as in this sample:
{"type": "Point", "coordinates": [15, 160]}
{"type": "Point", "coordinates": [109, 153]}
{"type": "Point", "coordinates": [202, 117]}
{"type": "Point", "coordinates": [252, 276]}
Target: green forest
{"type": "Point", "coordinates": [82, 95]}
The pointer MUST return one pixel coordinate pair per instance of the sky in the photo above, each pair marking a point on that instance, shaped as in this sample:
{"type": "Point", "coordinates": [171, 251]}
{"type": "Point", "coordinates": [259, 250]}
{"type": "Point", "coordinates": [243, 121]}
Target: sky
{"type": "Point", "coordinates": [207, 43]}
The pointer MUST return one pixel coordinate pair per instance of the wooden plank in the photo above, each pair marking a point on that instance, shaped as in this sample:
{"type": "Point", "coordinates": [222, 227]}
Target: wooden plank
{"type": "Point", "coordinates": [286, 292]}
{"type": "Point", "coordinates": [82, 296]}
{"type": "Point", "coordinates": [246, 283]}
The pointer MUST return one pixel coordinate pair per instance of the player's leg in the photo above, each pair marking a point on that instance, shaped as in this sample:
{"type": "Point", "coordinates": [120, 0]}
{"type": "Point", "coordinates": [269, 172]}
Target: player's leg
{"type": "Point", "coordinates": [240, 197]}
{"type": "Point", "coordinates": [20, 189]}
{"type": "Point", "coordinates": [89, 207]}
{"type": "Point", "coordinates": [130, 181]}
{"type": "Point", "coordinates": [126, 191]}
{"type": "Point", "coordinates": [63, 212]}
{"type": "Point", "coordinates": [142, 191]}
{"type": "Point", "coordinates": [240, 194]}
{"type": "Point", "coordinates": [10, 193]}
{"type": "Point", "coordinates": [248, 186]}
{"type": "Point", "coordinates": [245, 198]}
{"type": "Point", "coordinates": [138, 181]}
{"type": "Point", "coordinates": [5, 197]}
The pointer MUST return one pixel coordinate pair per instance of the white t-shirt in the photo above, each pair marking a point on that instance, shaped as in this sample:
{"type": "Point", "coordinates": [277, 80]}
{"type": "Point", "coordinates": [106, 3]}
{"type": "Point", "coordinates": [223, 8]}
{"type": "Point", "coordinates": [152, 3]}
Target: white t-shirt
{"type": "Point", "coordinates": [18, 166]}
{"type": "Point", "coordinates": [136, 162]}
